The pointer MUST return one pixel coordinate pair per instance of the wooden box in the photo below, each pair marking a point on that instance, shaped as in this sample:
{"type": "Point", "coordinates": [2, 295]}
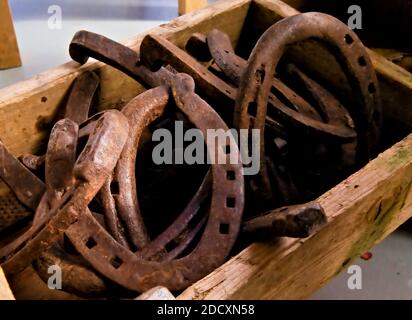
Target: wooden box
{"type": "Point", "coordinates": [361, 210]}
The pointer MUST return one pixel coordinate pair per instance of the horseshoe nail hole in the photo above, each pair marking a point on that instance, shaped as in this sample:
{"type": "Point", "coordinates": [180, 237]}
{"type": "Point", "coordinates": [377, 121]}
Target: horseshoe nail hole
{"type": "Point", "coordinates": [348, 39]}
{"type": "Point", "coordinates": [228, 92]}
{"type": "Point", "coordinates": [114, 187]}
{"type": "Point", "coordinates": [91, 243]}
{"type": "Point", "coordinates": [252, 109]}
{"type": "Point", "coordinates": [116, 262]}
{"type": "Point", "coordinates": [362, 61]}
{"type": "Point", "coordinates": [371, 88]}
{"type": "Point", "coordinates": [231, 175]}
{"type": "Point", "coordinates": [224, 228]}
{"type": "Point", "coordinates": [260, 74]}
{"type": "Point", "coordinates": [43, 99]}
{"type": "Point", "coordinates": [356, 186]}
{"type": "Point", "coordinates": [230, 202]}
{"type": "Point", "coordinates": [226, 51]}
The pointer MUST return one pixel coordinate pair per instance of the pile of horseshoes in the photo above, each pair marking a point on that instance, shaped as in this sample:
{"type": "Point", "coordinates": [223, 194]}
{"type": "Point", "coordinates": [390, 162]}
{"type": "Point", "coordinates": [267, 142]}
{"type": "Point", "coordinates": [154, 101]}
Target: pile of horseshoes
{"type": "Point", "coordinates": [84, 194]}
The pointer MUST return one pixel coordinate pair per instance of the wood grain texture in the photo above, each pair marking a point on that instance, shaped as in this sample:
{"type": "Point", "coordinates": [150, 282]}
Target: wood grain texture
{"type": "Point", "coordinates": [186, 6]}
{"type": "Point", "coordinates": [5, 291]}
{"type": "Point", "coordinates": [9, 51]}
{"type": "Point", "coordinates": [361, 211]}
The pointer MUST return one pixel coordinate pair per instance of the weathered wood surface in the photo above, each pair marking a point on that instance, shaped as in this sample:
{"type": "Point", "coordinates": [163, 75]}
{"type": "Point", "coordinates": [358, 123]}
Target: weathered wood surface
{"type": "Point", "coordinates": [186, 6]}
{"type": "Point", "coordinates": [9, 51]}
{"type": "Point", "coordinates": [361, 211]}
{"type": "Point", "coordinates": [5, 291]}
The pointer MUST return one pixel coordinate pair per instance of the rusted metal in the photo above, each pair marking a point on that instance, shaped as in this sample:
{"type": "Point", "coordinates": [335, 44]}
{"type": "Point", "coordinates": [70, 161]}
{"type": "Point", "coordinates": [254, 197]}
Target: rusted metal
{"type": "Point", "coordinates": [81, 97]}
{"type": "Point", "coordinates": [119, 248]}
{"type": "Point", "coordinates": [155, 50]}
{"type": "Point", "coordinates": [24, 184]}
{"type": "Point", "coordinates": [60, 159]}
{"type": "Point", "coordinates": [125, 194]}
{"type": "Point", "coordinates": [88, 44]}
{"type": "Point", "coordinates": [77, 276]}
{"type": "Point", "coordinates": [299, 221]}
{"type": "Point", "coordinates": [123, 266]}
{"type": "Point", "coordinates": [111, 218]}
{"type": "Point", "coordinates": [33, 162]}
{"type": "Point", "coordinates": [300, 114]}
{"type": "Point", "coordinates": [92, 169]}
{"type": "Point", "coordinates": [12, 212]}
{"type": "Point", "coordinates": [256, 81]}
{"type": "Point", "coordinates": [125, 203]}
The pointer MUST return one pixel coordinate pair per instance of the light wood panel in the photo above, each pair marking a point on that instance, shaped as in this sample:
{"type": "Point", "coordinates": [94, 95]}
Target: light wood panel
{"type": "Point", "coordinates": [186, 6]}
{"type": "Point", "coordinates": [9, 51]}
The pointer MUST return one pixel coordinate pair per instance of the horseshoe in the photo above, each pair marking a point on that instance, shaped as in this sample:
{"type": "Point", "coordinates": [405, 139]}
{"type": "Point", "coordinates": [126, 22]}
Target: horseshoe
{"type": "Point", "coordinates": [256, 81]}
{"type": "Point", "coordinates": [123, 266]}
{"type": "Point", "coordinates": [338, 121]}
{"type": "Point", "coordinates": [83, 45]}
{"type": "Point", "coordinates": [92, 169]}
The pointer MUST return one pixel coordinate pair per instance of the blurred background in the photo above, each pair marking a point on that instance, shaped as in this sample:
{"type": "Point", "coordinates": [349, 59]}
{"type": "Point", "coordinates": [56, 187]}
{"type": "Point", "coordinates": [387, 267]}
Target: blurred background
{"type": "Point", "coordinates": [388, 272]}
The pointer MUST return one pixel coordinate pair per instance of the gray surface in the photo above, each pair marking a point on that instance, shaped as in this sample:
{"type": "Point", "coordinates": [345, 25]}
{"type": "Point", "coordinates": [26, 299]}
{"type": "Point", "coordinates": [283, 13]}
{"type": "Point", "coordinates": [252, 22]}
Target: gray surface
{"type": "Point", "coordinates": [42, 48]}
{"type": "Point", "coordinates": [388, 275]}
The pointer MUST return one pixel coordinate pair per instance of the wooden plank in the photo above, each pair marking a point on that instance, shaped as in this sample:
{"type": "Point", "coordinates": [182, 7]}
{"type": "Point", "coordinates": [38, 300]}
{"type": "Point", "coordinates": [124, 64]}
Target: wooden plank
{"type": "Point", "coordinates": [186, 6]}
{"type": "Point", "coordinates": [9, 51]}
{"type": "Point", "coordinates": [361, 211]}
{"type": "Point", "coordinates": [5, 292]}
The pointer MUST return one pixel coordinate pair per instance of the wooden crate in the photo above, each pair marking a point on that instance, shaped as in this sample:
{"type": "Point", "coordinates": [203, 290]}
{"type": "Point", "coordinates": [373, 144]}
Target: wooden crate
{"type": "Point", "coordinates": [362, 210]}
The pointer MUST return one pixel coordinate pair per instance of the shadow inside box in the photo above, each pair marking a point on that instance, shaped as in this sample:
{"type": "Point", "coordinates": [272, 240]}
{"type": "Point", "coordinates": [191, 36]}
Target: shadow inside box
{"type": "Point", "coordinates": [383, 21]}
{"type": "Point", "coordinates": [406, 228]}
